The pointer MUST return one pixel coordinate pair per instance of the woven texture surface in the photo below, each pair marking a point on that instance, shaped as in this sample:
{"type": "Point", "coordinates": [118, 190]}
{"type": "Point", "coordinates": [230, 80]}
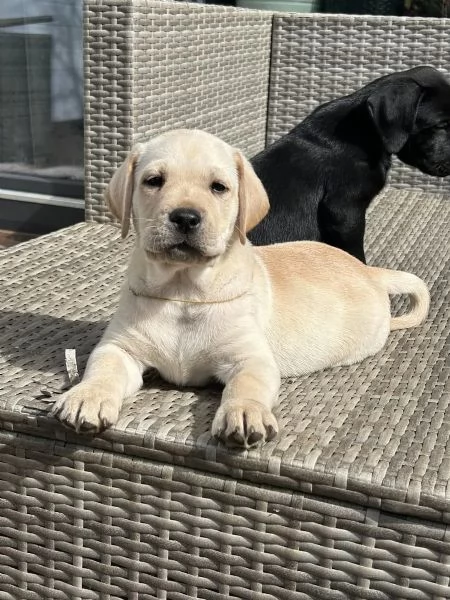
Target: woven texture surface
{"type": "Point", "coordinates": [377, 429]}
{"type": "Point", "coordinates": [155, 66]}
{"type": "Point", "coordinates": [351, 501]}
{"type": "Point", "coordinates": [108, 77]}
{"type": "Point", "coordinates": [316, 58]}
{"type": "Point", "coordinates": [82, 525]}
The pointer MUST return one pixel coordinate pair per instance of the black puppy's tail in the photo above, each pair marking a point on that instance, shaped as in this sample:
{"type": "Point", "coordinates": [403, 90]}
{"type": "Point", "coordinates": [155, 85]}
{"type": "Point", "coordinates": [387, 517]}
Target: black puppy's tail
{"type": "Point", "coordinates": [400, 282]}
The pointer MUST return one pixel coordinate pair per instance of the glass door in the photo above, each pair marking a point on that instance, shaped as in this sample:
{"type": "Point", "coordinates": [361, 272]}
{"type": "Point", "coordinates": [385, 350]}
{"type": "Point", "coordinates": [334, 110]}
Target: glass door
{"type": "Point", "coordinates": [41, 114]}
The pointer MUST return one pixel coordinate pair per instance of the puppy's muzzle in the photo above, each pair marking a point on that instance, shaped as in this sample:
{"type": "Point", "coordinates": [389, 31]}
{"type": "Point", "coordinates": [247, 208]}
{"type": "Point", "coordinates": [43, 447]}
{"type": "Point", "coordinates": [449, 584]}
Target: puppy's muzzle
{"type": "Point", "coordinates": [186, 220]}
{"type": "Point", "coordinates": [181, 237]}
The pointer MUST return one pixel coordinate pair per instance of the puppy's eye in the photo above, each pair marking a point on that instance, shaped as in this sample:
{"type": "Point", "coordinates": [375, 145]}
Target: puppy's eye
{"type": "Point", "coordinates": [155, 181]}
{"type": "Point", "coordinates": [218, 187]}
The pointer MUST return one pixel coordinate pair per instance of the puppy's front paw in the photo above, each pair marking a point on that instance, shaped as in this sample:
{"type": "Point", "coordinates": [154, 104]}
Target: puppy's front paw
{"type": "Point", "coordinates": [244, 424]}
{"type": "Point", "coordinates": [86, 408]}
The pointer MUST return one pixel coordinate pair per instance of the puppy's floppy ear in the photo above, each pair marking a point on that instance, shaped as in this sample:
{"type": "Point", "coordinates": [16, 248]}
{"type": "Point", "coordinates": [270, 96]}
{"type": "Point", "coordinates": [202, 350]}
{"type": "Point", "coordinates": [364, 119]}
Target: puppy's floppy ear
{"type": "Point", "coordinates": [253, 200]}
{"type": "Point", "coordinates": [393, 109]}
{"type": "Point", "coordinates": [426, 76]}
{"type": "Point", "coordinates": [119, 193]}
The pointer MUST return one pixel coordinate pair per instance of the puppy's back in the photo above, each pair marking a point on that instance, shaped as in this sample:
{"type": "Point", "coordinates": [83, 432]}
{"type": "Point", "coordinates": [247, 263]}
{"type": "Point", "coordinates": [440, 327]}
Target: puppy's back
{"type": "Point", "coordinates": [327, 309]}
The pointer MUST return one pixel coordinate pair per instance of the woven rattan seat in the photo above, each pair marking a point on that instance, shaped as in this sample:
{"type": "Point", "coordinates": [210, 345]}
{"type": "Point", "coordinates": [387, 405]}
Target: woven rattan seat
{"type": "Point", "coordinates": [352, 500]}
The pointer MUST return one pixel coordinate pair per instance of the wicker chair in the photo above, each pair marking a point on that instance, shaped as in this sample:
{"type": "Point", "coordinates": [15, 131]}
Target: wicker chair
{"type": "Point", "coordinates": [352, 501]}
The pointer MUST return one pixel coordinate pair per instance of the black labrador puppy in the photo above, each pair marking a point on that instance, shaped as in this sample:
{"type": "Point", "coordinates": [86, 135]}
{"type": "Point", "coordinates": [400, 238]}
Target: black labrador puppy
{"type": "Point", "coordinates": [322, 175]}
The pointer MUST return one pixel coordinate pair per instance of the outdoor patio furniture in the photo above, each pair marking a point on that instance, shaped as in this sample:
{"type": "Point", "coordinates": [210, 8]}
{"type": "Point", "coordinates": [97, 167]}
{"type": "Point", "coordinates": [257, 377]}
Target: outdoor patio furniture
{"type": "Point", "coordinates": [352, 500]}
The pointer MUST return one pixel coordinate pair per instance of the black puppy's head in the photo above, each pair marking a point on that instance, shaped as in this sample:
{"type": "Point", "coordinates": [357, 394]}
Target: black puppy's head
{"type": "Point", "coordinates": [411, 111]}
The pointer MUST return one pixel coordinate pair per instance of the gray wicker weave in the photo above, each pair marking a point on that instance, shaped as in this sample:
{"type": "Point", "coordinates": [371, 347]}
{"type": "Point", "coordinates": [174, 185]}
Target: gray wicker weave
{"type": "Point", "coordinates": [352, 501]}
{"type": "Point", "coordinates": [152, 66]}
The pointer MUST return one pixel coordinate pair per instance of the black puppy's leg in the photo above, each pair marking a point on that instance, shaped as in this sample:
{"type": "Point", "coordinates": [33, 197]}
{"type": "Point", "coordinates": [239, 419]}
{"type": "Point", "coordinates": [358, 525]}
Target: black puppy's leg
{"type": "Point", "coordinates": [343, 225]}
{"type": "Point", "coordinates": [356, 248]}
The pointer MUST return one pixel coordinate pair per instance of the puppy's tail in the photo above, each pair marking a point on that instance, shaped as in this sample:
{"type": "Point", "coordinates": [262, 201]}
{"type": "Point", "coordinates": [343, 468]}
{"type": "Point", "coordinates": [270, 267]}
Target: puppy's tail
{"type": "Point", "coordinates": [399, 282]}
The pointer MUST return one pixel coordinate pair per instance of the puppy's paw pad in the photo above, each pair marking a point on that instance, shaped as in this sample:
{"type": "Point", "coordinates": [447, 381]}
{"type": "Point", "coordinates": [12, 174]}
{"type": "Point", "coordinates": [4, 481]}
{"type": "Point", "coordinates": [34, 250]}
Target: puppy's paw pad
{"type": "Point", "coordinates": [235, 438]}
{"type": "Point", "coordinates": [255, 437]}
{"type": "Point", "coordinates": [87, 409]}
{"type": "Point", "coordinates": [244, 424]}
{"type": "Point", "coordinates": [271, 432]}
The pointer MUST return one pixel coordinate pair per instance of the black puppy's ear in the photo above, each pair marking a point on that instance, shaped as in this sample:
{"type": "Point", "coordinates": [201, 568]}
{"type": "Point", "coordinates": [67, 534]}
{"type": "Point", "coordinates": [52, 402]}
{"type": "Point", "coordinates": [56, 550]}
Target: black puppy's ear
{"type": "Point", "coordinates": [426, 76]}
{"type": "Point", "coordinates": [393, 109]}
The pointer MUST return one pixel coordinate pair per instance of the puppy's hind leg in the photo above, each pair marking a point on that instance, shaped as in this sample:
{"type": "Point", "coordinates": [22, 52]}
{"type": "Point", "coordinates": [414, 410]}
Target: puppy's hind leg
{"type": "Point", "coordinates": [244, 418]}
{"type": "Point", "coordinates": [94, 404]}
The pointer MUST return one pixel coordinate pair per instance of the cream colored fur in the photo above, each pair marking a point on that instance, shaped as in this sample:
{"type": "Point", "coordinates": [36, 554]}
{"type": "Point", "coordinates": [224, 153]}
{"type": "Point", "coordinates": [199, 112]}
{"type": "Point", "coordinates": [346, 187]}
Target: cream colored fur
{"type": "Point", "coordinates": [218, 308]}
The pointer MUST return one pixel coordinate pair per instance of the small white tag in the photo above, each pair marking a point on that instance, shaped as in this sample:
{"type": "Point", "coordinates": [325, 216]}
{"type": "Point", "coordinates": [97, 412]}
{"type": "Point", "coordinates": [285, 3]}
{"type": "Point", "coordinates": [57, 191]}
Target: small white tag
{"type": "Point", "coordinates": [71, 365]}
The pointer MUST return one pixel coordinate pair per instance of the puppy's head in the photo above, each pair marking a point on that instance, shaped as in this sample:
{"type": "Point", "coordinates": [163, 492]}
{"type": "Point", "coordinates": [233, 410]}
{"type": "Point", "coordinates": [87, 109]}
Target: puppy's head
{"type": "Point", "coordinates": [411, 111]}
{"type": "Point", "coordinates": [190, 196]}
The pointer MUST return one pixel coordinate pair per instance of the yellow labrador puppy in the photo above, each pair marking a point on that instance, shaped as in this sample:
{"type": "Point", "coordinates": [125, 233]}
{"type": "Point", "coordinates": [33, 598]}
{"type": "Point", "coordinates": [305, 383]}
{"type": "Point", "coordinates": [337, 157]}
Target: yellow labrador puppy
{"type": "Point", "coordinates": [201, 303]}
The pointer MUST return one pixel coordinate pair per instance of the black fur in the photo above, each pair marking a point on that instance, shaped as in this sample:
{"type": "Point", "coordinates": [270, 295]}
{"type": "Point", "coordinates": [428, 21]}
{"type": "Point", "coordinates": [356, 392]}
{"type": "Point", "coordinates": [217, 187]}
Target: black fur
{"type": "Point", "coordinates": [322, 175]}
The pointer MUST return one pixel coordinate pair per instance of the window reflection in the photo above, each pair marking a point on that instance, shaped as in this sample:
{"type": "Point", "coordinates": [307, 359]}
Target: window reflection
{"type": "Point", "coordinates": [41, 96]}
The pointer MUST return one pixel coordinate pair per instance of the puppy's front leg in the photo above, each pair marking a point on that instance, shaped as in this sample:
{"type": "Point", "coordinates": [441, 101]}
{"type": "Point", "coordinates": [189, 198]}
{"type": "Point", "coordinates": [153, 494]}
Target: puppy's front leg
{"type": "Point", "coordinates": [94, 403]}
{"type": "Point", "coordinates": [245, 417]}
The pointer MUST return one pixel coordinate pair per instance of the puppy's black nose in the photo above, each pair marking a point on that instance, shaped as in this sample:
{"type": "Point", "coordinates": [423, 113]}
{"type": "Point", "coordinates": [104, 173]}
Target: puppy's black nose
{"type": "Point", "coordinates": [186, 219]}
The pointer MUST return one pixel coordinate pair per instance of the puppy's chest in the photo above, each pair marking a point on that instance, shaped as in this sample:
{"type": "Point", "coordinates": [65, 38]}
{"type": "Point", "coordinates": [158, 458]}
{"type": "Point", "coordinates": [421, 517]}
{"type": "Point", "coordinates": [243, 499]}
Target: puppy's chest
{"type": "Point", "coordinates": [180, 339]}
